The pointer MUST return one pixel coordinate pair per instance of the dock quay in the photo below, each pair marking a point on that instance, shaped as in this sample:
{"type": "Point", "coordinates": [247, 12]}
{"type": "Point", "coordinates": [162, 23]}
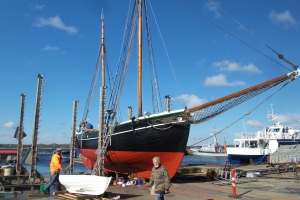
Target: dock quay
{"type": "Point", "coordinates": [242, 170]}
{"type": "Point", "coordinates": [198, 183]}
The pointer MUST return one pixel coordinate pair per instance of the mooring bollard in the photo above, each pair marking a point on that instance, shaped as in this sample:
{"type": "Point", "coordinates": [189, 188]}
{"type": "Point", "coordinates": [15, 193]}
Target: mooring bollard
{"type": "Point", "coordinates": [233, 175]}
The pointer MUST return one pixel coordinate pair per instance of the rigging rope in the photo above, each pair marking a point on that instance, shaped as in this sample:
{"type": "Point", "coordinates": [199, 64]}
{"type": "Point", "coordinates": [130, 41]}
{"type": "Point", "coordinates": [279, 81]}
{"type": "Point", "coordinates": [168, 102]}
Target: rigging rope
{"type": "Point", "coordinates": [126, 48]}
{"type": "Point", "coordinates": [234, 35]}
{"type": "Point", "coordinates": [280, 56]}
{"type": "Point", "coordinates": [153, 76]}
{"type": "Point", "coordinates": [181, 96]}
{"type": "Point", "coordinates": [207, 111]}
{"type": "Point", "coordinates": [247, 113]}
{"type": "Point", "coordinates": [93, 84]}
{"type": "Point", "coordinates": [110, 80]}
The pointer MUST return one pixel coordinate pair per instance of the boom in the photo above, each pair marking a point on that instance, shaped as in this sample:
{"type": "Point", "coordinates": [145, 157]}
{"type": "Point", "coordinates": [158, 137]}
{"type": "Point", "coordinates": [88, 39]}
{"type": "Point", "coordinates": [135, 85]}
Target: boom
{"type": "Point", "coordinates": [214, 108]}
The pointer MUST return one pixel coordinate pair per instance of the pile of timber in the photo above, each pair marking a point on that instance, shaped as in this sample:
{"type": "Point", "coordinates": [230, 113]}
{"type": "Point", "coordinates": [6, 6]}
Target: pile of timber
{"type": "Point", "coordinates": [73, 196]}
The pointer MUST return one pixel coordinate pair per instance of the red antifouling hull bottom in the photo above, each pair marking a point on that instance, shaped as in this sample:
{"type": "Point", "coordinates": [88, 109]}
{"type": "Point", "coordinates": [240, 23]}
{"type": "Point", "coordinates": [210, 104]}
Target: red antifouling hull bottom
{"type": "Point", "coordinates": [135, 163]}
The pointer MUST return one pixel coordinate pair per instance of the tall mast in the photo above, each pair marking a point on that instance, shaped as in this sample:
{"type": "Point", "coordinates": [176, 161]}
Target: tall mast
{"type": "Point", "coordinates": [215, 137]}
{"type": "Point", "coordinates": [103, 52]}
{"type": "Point", "coordinates": [99, 166]}
{"type": "Point", "coordinates": [140, 67]}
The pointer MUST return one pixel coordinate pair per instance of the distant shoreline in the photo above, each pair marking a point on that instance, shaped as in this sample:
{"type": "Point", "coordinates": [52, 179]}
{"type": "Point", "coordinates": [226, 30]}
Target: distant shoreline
{"type": "Point", "coordinates": [40, 146]}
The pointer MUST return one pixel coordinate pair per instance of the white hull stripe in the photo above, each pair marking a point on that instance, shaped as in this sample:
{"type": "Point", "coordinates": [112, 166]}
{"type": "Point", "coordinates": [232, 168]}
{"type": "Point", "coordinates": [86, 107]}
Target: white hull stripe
{"type": "Point", "coordinates": [128, 131]}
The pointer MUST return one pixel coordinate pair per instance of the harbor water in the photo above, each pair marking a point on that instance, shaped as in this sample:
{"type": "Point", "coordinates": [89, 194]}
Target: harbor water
{"type": "Point", "coordinates": [203, 160]}
{"type": "Point", "coordinates": [45, 155]}
{"type": "Point", "coordinates": [45, 158]}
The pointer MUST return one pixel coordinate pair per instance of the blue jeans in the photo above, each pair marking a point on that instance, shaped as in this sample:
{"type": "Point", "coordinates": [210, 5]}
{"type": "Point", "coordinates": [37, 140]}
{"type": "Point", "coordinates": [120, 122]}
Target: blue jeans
{"type": "Point", "coordinates": [159, 197]}
{"type": "Point", "coordinates": [54, 178]}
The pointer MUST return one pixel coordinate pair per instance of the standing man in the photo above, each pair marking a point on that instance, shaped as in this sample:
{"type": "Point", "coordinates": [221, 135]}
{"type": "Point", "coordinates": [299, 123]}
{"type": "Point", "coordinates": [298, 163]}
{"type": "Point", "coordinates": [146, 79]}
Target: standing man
{"type": "Point", "coordinates": [55, 167]}
{"type": "Point", "coordinates": [160, 179]}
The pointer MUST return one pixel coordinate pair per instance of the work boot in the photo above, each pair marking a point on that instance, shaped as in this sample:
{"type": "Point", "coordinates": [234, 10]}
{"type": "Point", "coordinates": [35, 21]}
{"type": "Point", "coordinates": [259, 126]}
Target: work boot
{"type": "Point", "coordinates": [45, 192]}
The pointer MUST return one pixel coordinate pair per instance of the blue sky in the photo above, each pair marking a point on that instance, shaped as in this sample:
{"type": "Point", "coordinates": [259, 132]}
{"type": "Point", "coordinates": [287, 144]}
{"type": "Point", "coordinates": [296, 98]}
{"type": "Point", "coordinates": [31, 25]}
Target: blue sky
{"type": "Point", "coordinates": [60, 39]}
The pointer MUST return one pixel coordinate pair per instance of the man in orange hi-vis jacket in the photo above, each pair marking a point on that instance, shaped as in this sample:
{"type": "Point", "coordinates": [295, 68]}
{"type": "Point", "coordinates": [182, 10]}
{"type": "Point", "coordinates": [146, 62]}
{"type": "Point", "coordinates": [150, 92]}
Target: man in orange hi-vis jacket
{"type": "Point", "coordinates": [55, 167]}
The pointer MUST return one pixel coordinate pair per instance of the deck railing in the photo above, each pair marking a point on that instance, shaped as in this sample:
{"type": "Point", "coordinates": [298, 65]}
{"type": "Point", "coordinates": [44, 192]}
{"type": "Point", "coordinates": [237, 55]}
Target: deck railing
{"type": "Point", "coordinates": [250, 135]}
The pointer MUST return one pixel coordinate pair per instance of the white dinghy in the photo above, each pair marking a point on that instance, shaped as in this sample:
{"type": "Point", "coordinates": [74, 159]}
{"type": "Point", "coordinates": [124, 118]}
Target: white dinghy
{"type": "Point", "coordinates": [85, 184]}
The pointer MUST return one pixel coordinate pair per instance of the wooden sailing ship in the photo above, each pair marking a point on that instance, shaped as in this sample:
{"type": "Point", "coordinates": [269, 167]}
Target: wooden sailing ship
{"type": "Point", "coordinates": [134, 142]}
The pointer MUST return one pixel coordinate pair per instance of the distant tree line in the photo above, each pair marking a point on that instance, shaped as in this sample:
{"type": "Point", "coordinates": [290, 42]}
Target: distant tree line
{"type": "Point", "coordinates": [50, 146]}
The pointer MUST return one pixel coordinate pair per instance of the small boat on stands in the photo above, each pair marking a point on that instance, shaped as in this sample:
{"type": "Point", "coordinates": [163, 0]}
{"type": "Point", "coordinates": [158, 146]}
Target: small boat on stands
{"type": "Point", "coordinates": [255, 147]}
{"type": "Point", "coordinates": [85, 184]}
{"type": "Point", "coordinates": [210, 149]}
{"type": "Point", "coordinates": [8, 155]}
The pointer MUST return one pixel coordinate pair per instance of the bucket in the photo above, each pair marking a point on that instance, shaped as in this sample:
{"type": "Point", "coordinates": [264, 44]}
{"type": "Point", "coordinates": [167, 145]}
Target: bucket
{"type": "Point", "coordinates": [120, 181]}
{"type": "Point", "coordinates": [42, 187]}
{"type": "Point", "coordinates": [139, 182]}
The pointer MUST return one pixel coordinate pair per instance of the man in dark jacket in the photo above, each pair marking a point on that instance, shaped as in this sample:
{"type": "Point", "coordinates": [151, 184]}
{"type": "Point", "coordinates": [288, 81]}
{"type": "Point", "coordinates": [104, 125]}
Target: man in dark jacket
{"type": "Point", "coordinates": [160, 179]}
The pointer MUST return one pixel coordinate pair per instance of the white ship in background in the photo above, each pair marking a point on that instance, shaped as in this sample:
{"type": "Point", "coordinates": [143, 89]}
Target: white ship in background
{"type": "Point", "coordinates": [210, 149]}
{"type": "Point", "coordinates": [255, 147]}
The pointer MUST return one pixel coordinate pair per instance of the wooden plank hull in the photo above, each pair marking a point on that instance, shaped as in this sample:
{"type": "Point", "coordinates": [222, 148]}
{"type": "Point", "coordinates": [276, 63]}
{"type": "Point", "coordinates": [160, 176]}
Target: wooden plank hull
{"type": "Point", "coordinates": [132, 147]}
{"type": "Point", "coordinates": [135, 163]}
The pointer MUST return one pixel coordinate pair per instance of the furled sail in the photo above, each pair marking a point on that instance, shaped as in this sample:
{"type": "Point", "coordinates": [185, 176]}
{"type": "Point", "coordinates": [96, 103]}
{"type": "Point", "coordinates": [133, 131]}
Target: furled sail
{"type": "Point", "coordinates": [211, 109]}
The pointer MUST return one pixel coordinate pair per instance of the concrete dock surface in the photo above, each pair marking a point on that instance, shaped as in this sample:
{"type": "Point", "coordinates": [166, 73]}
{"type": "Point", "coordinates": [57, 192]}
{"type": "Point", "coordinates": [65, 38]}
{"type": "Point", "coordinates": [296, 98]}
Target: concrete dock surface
{"type": "Point", "coordinates": [198, 188]}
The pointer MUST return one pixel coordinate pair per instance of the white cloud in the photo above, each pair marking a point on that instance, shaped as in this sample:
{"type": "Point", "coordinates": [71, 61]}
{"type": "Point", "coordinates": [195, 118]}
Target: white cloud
{"type": "Point", "coordinates": [212, 7]}
{"type": "Point", "coordinates": [254, 123]}
{"type": "Point", "coordinates": [37, 7]}
{"type": "Point", "coordinates": [289, 118]}
{"type": "Point", "coordinates": [221, 80]}
{"type": "Point", "coordinates": [56, 22]}
{"type": "Point", "coordinates": [201, 62]}
{"type": "Point", "coordinates": [50, 48]}
{"type": "Point", "coordinates": [190, 100]}
{"type": "Point", "coordinates": [283, 118]}
{"type": "Point", "coordinates": [9, 124]}
{"type": "Point", "coordinates": [284, 17]}
{"type": "Point", "coordinates": [226, 65]}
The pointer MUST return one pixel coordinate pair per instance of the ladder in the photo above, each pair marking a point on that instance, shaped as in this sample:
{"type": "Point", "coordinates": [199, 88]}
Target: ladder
{"type": "Point", "coordinates": [98, 168]}
{"type": "Point", "coordinates": [73, 137]}
{"type": "Point", "coordinates": [19, 135]}
{"type": "Point", "coordinates": [106, 128]}
{"type": "Point", "coordinates": [32, 154]}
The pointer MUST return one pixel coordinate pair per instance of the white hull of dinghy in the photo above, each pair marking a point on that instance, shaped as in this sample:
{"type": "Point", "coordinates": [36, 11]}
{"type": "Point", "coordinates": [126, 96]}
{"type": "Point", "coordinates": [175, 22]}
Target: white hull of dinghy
{"type": "Point", "coordinates": [85, 184]}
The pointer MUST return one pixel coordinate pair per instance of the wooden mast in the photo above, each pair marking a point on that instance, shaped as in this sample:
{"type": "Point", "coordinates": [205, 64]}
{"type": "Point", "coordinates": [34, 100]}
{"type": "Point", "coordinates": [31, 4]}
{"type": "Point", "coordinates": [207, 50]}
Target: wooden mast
{"type": "Point", "coordinates": [100, 150]}
{"type": "Point", "coordinates": [140, 67]}
{"type": "Point", "coordinates": [103, 52]}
